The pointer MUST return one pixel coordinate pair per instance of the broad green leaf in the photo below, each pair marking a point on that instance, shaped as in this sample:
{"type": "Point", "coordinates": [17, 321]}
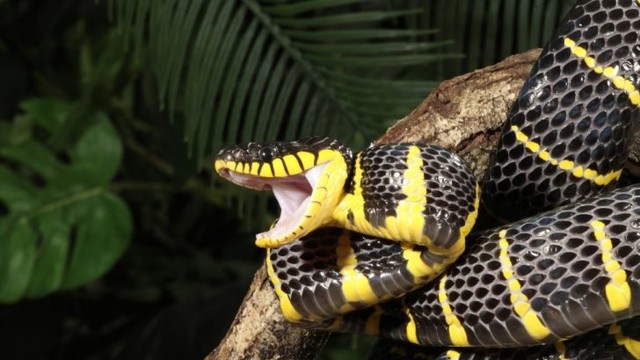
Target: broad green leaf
{"type": "Point", "coordinates": [62, 227]}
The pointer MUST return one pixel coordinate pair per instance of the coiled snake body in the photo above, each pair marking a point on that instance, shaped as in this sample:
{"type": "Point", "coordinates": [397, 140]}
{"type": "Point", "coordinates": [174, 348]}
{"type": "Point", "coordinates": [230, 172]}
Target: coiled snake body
{"type": "Point", "coordinates": [365, 242]}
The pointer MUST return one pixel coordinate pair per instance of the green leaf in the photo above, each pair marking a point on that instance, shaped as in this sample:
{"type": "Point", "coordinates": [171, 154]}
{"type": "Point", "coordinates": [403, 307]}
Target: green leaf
{"type": "Point", "coordinates": [394, 60]}
{"type": "Point", "coordinates": [253, 69]}
{"type": "Point", "coordinates": [357, 48]}
{"type": "Point", "coordinates": [102, 234]}
{"type": "Point", "coordinates": [298, 7]}
{"type": "Point", "coordinates": [342, 19]}
{"type": "Point", "coordinates": [346, 35]}
{"type": "Point", "coordinates": [487, 31]}
{"type": "Point", "coordinates": [257, 70]}
{"type": "Point", "coordinates": [62, 227]}
{"type": "Point", "coordinates": [48, 113]}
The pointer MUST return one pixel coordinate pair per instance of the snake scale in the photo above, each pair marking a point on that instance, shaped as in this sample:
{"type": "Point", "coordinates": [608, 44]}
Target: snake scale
{"type": "Point", "coordinates": [380, 241]}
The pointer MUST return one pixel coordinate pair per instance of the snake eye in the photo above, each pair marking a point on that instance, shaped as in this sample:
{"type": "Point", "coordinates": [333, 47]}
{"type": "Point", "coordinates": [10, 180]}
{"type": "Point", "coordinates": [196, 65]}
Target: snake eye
{"type": "Point", "coordinates": [266, 154]}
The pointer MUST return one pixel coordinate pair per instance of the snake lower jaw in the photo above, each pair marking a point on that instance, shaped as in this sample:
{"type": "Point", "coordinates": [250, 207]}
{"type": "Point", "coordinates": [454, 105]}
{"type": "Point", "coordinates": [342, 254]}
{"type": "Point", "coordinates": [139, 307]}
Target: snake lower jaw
{"type": "Point", "coordinates": [306, 202]}
{"type": "Point", "coordinates": [284, 230]}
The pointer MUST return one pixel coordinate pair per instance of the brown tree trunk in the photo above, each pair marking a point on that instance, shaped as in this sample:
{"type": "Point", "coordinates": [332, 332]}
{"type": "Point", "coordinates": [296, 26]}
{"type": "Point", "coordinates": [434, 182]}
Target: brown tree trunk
{"type": "Point", "coordinates": [465, 114]}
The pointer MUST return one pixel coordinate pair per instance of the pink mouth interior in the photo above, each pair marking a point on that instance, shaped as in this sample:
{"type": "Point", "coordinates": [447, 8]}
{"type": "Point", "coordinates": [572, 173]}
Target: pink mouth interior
{"type": "Point", "coordinates": [292, 192]}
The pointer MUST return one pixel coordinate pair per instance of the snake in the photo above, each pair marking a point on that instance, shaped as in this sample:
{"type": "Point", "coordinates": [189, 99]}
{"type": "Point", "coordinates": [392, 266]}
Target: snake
{"type": "Point", "coordinates": [382, 241]}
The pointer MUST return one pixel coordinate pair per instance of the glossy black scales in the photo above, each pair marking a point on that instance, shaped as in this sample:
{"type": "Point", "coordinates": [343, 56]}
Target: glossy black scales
{"type": "Point", "coordinates": [307, 273]}
{"type": "Point", "coordinates": [535, 281]}
{"type": "Point", "coordinates": [264, 154]}
{"type": "Point", "coordinates": [431, 176]}
{"type": "Point", "coordinates": [314, 271]}
{"type": "Point", "coordinates": [601, 344]}
{"type": "Point", "coordinates": [451, 195]}
{"type": "Point", "coordinates": [558, 262]}
{"type": "Point", "coordinates": [569, 131]}
{"type": "Point", "coordinates": [382, 181]}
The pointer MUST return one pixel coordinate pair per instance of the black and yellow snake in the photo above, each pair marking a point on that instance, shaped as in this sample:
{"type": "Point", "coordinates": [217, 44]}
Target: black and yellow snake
{"type": "Point", "coordinates": [367, 242]}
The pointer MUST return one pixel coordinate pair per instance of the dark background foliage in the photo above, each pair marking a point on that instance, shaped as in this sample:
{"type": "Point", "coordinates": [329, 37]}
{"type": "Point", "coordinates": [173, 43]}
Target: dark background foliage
{"type": "Point", "coordinates": [116, 241]}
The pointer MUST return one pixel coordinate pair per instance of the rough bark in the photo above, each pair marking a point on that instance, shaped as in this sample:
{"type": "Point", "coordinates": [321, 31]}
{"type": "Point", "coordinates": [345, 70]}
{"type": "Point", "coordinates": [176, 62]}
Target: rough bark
{"type": "Point", "coordinates": [465, 114]}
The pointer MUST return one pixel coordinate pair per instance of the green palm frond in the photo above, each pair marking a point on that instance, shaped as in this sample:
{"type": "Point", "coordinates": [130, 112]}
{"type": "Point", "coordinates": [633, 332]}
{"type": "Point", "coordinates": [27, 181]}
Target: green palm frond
{"type": "Point", "coordinates": [487, 31]}
{"type": "Point", "coordinates": [241, 70]}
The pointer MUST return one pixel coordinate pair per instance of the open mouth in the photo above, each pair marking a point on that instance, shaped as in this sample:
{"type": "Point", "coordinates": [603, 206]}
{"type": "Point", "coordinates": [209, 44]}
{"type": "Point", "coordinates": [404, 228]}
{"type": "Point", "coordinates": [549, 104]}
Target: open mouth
{"type": "Point", "coordinates": [293, 193]}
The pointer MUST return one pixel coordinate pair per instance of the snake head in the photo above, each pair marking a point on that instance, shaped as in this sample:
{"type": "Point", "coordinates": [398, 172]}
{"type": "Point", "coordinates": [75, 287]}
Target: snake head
{"type": "Point", "coordinates": [307, 178]}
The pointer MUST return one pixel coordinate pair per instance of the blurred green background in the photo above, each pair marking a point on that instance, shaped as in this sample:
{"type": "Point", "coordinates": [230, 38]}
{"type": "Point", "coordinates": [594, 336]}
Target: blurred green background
{"type": "Point", "coordinates": [116, 240]}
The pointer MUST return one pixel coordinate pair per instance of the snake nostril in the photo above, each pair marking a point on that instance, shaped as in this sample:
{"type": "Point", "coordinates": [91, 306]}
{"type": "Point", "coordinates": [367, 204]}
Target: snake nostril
{"type": "Point", "coordinates": [237, 154]}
